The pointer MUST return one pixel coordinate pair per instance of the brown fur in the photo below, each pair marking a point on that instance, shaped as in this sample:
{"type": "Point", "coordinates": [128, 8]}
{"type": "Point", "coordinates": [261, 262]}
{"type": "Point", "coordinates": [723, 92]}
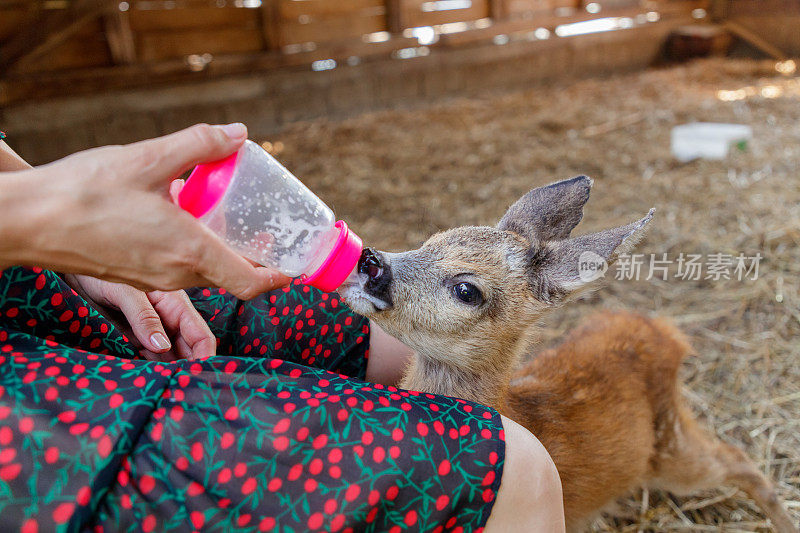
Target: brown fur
{"type": "Point", "coordinates": [607, 406]}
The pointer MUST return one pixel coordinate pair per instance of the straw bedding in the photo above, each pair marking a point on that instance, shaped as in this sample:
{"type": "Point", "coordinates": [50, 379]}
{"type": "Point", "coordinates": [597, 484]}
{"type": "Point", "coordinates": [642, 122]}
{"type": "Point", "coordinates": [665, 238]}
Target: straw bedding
{"type": "Point", "coordinates": [398, 176]}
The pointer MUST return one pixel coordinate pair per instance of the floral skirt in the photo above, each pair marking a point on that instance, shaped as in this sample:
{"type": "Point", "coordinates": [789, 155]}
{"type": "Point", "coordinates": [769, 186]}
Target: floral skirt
{"type": "Point", "coordinates": [277, 433]}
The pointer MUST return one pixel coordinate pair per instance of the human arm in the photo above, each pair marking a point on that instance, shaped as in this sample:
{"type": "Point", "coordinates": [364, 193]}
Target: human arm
{"type": "Point", "coordinates": [150, 320]}
{"type": "Point", "coordinates": [107, 213]}
{"type": "Point", "coordinates": [164, 325]}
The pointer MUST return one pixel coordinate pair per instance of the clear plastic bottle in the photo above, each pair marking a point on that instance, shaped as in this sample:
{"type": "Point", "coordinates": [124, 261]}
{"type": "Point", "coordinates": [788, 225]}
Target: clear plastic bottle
{"type": "Point", "coordinates": [265, 213]}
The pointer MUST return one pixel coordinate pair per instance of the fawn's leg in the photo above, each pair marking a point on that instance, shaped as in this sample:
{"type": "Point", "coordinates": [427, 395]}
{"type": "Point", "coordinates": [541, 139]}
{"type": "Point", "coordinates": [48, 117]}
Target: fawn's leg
{"type": "Point", "coordinates": [742, 473]}
{"type": "Point", "coordinates": [693, 459]}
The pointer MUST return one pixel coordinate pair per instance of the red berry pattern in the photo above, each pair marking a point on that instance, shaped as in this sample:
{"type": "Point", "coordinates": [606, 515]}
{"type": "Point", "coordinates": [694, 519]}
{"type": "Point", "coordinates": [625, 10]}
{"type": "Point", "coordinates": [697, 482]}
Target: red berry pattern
{"type": "Point", "coordinates": [92, 438]}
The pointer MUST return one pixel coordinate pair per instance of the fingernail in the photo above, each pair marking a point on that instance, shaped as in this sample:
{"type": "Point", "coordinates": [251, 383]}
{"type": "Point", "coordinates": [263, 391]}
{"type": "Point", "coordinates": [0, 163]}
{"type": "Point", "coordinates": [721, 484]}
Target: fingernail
{"type": "Point", "coordinates": [237, 130]}
{"type": "Point", "coordinates": [160, 341]}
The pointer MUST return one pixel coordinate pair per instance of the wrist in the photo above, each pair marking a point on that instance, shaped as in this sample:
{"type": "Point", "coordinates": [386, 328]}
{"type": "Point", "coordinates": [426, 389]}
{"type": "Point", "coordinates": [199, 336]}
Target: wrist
{"type": "Point", "coordinates": [25, 214]}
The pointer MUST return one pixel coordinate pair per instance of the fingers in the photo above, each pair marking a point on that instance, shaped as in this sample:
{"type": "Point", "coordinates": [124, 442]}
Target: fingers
{"type": "Point", "coordinates": [205, 347]}
{"type": "Point", "coordinates": [144, 320]}
{"type": "Point", "coordinates": [175, 189]}
{"type": "Point", "coordinates": [277, 280]}
{"type": "Point", "coordinates": [193, 338]}
{"type": "Point", "coordinates": [175, 153]}
{"type": "Point", "coordinates": [223, 267]}
{"type": "Point", "coordinates": [183, 349]}
{"type": "Point", "coordinates": [280, 279]}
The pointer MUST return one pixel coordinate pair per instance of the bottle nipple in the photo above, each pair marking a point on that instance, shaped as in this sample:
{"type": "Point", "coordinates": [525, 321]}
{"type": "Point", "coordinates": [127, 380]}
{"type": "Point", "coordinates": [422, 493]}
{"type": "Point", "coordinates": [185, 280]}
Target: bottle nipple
{"type": "Point", "coordinates": [341, 261]}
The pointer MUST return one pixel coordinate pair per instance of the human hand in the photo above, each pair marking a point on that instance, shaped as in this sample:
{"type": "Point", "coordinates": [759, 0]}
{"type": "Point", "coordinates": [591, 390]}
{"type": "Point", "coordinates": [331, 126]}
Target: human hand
{"type": "Point", "coordinates": [164, 326]}
{"type": "Point", "coordinates": [107, 213]}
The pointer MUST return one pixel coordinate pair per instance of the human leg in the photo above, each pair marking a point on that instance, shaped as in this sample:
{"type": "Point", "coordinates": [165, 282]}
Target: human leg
{"type": "Point", "coordinates": [299, 324]}
{"type": "Point", "coordinates": [388, 357]}
{"type": "Point", "coordinates": [303, 325]}
{"type": "Point", "coordinates": [241, 443]}
{"type": "Point", "coordinates": [530, 497]}
{"type": "Point", "coordinates": [140, 442]}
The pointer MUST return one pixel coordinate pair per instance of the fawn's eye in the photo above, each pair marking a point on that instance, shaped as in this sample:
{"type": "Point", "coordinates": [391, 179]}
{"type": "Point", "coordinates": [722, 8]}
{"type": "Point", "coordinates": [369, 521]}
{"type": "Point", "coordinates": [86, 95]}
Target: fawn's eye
{"type": "Point", "coordinates": [467, 293]}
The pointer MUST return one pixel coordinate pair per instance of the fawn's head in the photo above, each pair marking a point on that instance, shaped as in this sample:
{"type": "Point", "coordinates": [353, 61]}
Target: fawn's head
{"type": "Point", "coordinates": [474, 291]}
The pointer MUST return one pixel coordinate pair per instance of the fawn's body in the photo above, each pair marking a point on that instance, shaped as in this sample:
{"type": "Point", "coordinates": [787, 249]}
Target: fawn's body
{"type": "Point", "coordinates": [606, 403]}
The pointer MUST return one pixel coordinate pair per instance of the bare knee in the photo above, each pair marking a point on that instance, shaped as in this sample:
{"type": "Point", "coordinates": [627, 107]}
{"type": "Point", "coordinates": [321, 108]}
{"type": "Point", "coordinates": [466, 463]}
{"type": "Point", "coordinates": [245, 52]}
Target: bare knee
{"type": "Point", "coordinates": [530, 496]}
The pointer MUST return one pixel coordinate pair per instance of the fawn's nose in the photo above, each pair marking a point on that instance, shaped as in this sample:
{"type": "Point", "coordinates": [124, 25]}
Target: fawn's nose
{"type": "Point", "coordinates": [379, 275]}
{"type": "Point", "coordinates": [370, 264]}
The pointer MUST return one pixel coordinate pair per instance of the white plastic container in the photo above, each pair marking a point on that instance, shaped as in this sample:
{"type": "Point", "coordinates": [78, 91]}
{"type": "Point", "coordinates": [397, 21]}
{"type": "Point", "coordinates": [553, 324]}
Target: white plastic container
{"type": "Point", "coordinates": [708, 140]}
{"type": "Point", "coordinates": [261, 210]}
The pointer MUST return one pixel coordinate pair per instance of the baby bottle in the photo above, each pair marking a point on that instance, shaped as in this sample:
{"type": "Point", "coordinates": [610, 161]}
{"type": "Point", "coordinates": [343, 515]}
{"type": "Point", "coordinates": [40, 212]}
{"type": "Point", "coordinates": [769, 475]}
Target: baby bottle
{"type": "Point", "coordinates": [261, 210]}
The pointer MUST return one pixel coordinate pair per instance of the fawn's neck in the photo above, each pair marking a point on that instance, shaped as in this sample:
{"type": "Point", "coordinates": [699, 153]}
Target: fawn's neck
{"type": "Point", "coordinates": [487, 384]}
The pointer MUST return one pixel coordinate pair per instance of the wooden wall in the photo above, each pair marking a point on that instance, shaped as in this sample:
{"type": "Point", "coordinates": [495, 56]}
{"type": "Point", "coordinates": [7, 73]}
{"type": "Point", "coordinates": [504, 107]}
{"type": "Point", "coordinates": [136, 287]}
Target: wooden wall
{"type": "Point", "coordinates": [56, 47]}
{"type": "Point", "coordinates": [775, 21]}
{"type": "Point", "coordinates": [267, 102]}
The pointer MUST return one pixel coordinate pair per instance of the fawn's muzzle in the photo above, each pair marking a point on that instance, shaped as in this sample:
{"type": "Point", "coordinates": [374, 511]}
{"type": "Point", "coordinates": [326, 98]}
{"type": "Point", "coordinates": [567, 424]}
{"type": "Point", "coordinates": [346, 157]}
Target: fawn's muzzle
{"type": "Point", "coordinates": [370, 264]}
{"type": "Point", "coordinates": [378, 275]}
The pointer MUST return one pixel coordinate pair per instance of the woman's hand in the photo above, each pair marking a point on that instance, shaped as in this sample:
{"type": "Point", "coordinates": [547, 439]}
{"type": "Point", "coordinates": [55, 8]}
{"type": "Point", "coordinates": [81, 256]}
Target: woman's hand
{"type": "Point", "coordinates": [163, 325]}
{"type": "Point", "coordinates": [107, 213]}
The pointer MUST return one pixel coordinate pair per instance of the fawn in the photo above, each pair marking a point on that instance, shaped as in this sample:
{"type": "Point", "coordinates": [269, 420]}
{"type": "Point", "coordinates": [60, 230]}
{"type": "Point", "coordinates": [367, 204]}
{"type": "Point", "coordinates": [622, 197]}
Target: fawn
{"type": "Point", "coordinates": [606, 403]}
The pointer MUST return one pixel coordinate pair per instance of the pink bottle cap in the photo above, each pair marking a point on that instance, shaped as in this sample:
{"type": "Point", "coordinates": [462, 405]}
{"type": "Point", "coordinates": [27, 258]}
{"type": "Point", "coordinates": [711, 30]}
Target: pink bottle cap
{"type": "Point", "coordinates": [340, 262]}
{"type": "Point", "coordinates": [206, 185]}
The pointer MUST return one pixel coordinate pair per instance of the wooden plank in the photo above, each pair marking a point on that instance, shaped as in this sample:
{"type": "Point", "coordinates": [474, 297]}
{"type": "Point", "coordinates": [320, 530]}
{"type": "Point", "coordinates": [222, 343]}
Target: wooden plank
{"type": "Point", "coordinates": [10, 20]}
{"type": "Point", "coordinates": [515, 8]}
{"type": "Point", "coordinates": [231, 56]}
{"type": "Point", "coordinates": [43, 29]}
{"type": "Point", "coordinates": [718, 9]}
{"type": "Point", "coordinates": [762, 7]}
{"type": "Point", "coordinates": [14, 4]}
{"type": "Point", "coordinates": [550, 21]}
{"type": "Point", "coordinates": [45, 84]}
{"type": "Point", "coordinates": [293, 9]}
{"type": "Point", "coordinates": [534, 8]}
{"type": "Point", "coordinates": [270, 24]}
{"type": "Point", "coordinates": [755, 40]}
{"type": "Point", "coordinates": [611, 4]}
{"type": "Point", "coordinates": [572, 4]}
{"type": "Point", "coordinates": [395, 16]}
{"type": "Point", "coordinates": [54, 41]}
{"type": "Point", "coordinates": [158, 46]}
{"type": "Point", "coordinates": [120, 38]}
{"type": "Point", "coordinates": [330, 29]}
{"type": "Point", "coordinates": [780, 30]}
{"type": "Point", "coordinates": [85, 48]}
{"type": "Point", "coordinates": [415, 16]}
{"type": "Point", "coordinates": [150, 20]}
{"type": "Point", "coordinates": [498, 9]}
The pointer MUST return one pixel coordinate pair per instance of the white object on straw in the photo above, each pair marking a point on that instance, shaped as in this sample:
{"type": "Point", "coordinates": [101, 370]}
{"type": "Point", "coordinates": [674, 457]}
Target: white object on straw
{"type": "Point", "coordinates": [708, 140]}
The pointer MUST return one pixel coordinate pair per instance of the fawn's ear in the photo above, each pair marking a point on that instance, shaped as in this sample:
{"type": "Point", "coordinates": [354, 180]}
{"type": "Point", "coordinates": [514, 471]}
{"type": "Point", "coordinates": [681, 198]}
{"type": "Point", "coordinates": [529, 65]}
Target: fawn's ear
{"type": "Point", "coordinates": [550, 212]}
{"type": "Point", "coordinates": [559, 269]}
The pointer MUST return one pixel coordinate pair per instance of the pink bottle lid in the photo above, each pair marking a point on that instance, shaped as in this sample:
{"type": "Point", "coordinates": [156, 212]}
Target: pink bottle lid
{"type": "Point", "coordinates": [206, 185]}
{"type": "Point", "coordinates": [340, 262]}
